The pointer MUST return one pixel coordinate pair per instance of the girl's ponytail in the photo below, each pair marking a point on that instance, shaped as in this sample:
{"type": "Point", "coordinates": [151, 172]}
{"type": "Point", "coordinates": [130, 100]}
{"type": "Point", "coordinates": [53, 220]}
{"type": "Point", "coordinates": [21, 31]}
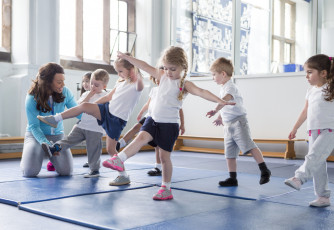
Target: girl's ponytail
{"type": "Point", "coordinates": [182, 81]}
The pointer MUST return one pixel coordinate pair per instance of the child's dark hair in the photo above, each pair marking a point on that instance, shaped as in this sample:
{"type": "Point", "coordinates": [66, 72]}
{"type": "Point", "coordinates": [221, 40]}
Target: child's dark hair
{"type": "Point", "coordinates": [86, 75]}
{"type": "Point", "coordinates": [322, 62]}
{"type": "Point", "coordinates": [41, 86]}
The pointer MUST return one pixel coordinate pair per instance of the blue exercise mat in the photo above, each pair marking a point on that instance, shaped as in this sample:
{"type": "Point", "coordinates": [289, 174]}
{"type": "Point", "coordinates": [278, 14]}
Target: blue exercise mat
{"type": "Point", "coordinates": [249, 216]}
{"type": "Point", "coordinates": [179, 174]}
{"type": "Point", "coordinates": [27, 191]}
{"type": "Point", "coordinates": [248, 188]}
{"type": "Point", "coordinates": [299, 198]}
{"type": "Point", "coordinates": [130, 209]}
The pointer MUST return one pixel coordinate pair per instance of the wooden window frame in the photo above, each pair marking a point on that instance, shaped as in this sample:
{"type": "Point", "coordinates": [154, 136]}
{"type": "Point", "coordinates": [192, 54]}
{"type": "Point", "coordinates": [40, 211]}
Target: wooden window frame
{"type": "Point", "coordinates": [78, 62]}
{"type": "Point", "coordinates": [5, 47]}
{"type": "Point", "coordinates": [281, 38]}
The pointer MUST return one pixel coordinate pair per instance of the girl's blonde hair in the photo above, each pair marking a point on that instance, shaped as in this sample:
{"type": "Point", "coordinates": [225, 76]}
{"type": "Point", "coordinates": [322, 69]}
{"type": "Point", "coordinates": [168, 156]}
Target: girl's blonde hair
{"type": "Point", "coordinates": [322, 62]}
{"type": "Point", "coordinates": [127, 65]}
{"type": "Point", "coordinates": [177, 56]}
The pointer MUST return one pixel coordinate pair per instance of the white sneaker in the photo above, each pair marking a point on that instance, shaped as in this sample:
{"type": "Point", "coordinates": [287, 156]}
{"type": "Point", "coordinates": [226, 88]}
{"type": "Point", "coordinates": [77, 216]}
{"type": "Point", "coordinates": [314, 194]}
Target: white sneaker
{"type": "Point", "coordinates": [320, 202]}
{"type": "Point", "coordinates": [294, 182]}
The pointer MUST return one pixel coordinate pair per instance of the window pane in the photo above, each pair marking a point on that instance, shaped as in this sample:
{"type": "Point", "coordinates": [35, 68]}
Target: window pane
{"type": "Point", "coordinates": [67, 27]}
{"type": "Point", "coordinates": [276, 51]}
{"type": "Point", "coordinates": [277, 17]}
{"type": "Point", "coordinates": [114, 14]}
{"type": "Point", "coordinates": [287, 20]}
{"type": "Point", "coordinates": [254, 39]}
{"type": "Point", "coordinates": [123, 16]}
{"type": "Point", "coordinates": [93, 29]}
{"type": "Point", "coordinates": [287, 53]}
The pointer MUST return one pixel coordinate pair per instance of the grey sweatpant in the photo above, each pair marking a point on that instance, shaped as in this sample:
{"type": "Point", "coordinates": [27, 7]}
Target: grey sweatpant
{"type": "Point", "coordinates": [93, 145]}
{"type": "Point", "coordinates": [320, 147]}
{"type": "Point", "coordinates": [33, 154]}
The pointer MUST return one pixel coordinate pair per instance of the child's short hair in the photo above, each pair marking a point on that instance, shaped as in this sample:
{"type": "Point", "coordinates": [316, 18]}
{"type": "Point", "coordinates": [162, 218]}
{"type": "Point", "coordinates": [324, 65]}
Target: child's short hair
{"type": "Point", "coordinates": [101, 75]}
{"type": "Point", "coordinates": [222, 64]}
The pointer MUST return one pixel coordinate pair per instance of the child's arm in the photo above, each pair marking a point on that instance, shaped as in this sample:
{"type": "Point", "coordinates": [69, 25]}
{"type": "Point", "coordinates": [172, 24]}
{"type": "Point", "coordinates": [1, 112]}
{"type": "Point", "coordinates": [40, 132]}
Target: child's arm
{"type": "Point", "coordinates": [106, 98]}
{"type": "Point", "coordinates": [139, 84]}
{"type": "Point", "coordinates": [203, 93]}
{"type": "Point", "coordinates": [143, 109]}
{"type": "Point", "coordinates": [227, 97]}
{"type": "Point", "coordinates": [87, 97]}
{"type": "Point", "coordinates": [182, 127]}
{"type": "Point", "coordinates": [141, 65]}
{"type": "Point", "coordinates": [302, 117]}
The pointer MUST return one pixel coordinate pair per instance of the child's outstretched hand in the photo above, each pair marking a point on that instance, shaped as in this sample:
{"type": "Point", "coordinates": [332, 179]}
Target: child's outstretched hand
{"type": "Point", "coordinates": [218, 121]}
{"type": "Point", "coordinates": [120, 54]}
{"type": "Point", "coordinates": [211, 113]}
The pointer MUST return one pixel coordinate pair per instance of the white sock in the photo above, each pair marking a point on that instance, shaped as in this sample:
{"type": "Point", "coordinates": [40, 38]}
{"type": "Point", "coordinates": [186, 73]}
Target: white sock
{"type": "Point", "coordinates": [123, 173]}
{"type": "Point", "coordinates": [157, 165]}
{"type": "Point", "coordinates": [167, 184]}
{"type": "Point", "coordinates": [122, 143]}
{"type": "Point", "coordinates": [122, 156]}
{"type": "Point", "coordinates": [58, 117]}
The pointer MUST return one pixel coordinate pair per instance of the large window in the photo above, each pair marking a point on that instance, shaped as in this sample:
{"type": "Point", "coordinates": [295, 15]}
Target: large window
{"type": "Point", "coordinates": [5, 32]}
{"type": "Point", "coordinates": [260, 37]}
{"type": "Point", "coordinates": [91, 32]}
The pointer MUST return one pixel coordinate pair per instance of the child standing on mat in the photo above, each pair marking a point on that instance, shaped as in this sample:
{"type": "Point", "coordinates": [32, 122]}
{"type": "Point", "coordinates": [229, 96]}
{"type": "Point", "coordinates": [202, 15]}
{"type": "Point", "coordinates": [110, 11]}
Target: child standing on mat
{"type": "Point", "coordinates": [319, 112]}
{"type": "Point", "coordinates": [236, 130]}
{"type": "Point", "coordinates": [156, 171]}
{"type": "Point", "coordinates": [113, 110]}
{"type": "Point", "coordinates": [87, 129]}
{"type": "Point", "coordinates": [162, 126]}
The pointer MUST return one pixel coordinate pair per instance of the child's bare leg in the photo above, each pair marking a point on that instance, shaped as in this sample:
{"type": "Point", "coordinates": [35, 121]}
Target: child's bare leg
{"type": "Point", "coordinates": [265, 172]}
{"type": "Point", "coordinates": [167, 167]}
{"type": "Point", "coordinates": [111, 146]}
{"type": "Point", "coordinates": [132, 132]}
{"type": "Point", "coordinates": [142, 139]}
{"type": "Point", "coordinates": [257, 155]}
{"type": "Point", "coordinates": [89, 108]}
{"type": "Point", "coordinates": [232, 169]}
{"type": "Point", "coordinates": [156, 171]}
{"type": "Point", "coordinates": [157, 155]}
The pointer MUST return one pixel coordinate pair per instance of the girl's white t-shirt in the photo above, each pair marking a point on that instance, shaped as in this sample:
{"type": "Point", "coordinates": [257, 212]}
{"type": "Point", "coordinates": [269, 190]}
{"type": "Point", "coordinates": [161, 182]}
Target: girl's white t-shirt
{"type": "Point", "coordinates": [88, 122]}
{"type": "Point", "coordinates": [230, 112]}
{"type": "Point", "coordinates": [166, 105]}
{"type": "Point", "coordinates": [320, 113]}
{"type": "Point", "coordinates": [152, 95]}
{"type": "Point", "coordinates": [124, 100]}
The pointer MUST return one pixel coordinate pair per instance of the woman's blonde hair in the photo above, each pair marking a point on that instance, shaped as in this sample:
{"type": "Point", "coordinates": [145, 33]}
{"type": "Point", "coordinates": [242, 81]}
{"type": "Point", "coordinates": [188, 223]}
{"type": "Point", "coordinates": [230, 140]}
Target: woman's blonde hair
{"type": "Point", "coordinates": [127, 65]}
{"type": "Point", "coordinates": [177, 56]}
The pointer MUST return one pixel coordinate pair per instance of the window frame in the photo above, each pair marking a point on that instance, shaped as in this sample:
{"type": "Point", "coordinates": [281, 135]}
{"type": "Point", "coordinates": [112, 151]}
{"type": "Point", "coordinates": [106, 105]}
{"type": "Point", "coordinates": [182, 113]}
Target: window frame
{"type": "Point", "coordinates": [78, 62]}
{"type": "Point", "coordinates": [5, 47]}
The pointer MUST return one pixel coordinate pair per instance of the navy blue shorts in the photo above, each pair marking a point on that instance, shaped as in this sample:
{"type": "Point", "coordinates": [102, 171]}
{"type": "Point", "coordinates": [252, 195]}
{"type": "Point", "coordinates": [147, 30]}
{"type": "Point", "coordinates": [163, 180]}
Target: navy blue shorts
{"type": "Point", "coordinates": [142, 120]}
{"type": "Point", "coordinates": [112, 125]}
{"type": "Point", "coordinates": [164, 134]}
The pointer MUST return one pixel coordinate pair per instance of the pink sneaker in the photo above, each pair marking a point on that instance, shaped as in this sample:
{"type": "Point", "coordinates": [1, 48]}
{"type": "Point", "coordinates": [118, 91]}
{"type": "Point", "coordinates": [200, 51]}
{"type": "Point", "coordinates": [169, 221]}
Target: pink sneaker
{"type": "Point", "coordinates": [114, 163]}
{"type": "Point", "coordinates": [163, 194]}
{"type": "Point", "coordinates": [294, 182]}
{"type": "Point", "coordinates": [50, 167]}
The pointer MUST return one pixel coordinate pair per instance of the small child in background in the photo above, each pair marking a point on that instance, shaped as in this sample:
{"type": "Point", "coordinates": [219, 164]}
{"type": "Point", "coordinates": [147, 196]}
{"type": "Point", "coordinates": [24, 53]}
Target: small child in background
{"type": "Point", "coordinates": [236, 129]}
{"type": "Point", "coordinates": [319, 113]}
{"type": "Point", "coordinates": [162, 126]}
{"type": "Point", "coordinates": [87, 129]}
{"type": "Point", "coordinates": [156, 171]}
{"type": "Point", "coordinates": [85, 86]}
{"type": "Point", "coordinates": [112, 111]}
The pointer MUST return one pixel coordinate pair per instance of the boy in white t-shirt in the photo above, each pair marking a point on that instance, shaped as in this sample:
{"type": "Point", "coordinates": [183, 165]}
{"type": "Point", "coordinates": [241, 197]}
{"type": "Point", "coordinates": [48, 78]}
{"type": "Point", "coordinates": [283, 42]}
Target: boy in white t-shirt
{"type": "Point", "coordinates": [87, 129]}
{"type": "Point", "coordinates": [236, 129]}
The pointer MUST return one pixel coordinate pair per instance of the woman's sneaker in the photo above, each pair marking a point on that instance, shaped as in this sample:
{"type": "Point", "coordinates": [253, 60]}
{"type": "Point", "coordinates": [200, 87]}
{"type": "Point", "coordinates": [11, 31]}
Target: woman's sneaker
{"type": "Point", "coordinates": [294, 182]}
{"type": "Point", "coordinates": [49, 120]}
{"type": "Point", "coordinates": [91, 174]}
{"type": "Point", "coordinates": [321, 202]}
{"type": "Point", "coordinates": [229, 182]}
{"type": "Point", "coordinates": [51, 149]}
{"type": "Point", "coordinates": [163, 194]}
{"type": "Point", "coordinates": [154, 172]}
{"type": "Point", "coordinates": [114, 163]}
{"type": "Point", "coordinates": [120, 180]}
